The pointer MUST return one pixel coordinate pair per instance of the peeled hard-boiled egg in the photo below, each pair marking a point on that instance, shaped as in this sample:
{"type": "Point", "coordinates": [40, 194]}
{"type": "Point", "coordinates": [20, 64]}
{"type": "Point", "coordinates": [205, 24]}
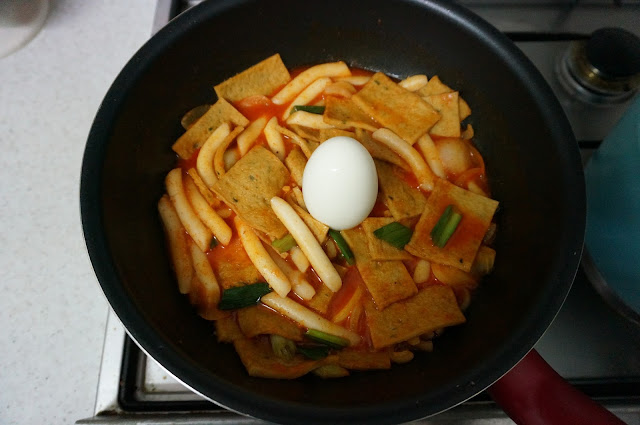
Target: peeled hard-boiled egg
{"type": "Point", "coordinates": [340, 183]}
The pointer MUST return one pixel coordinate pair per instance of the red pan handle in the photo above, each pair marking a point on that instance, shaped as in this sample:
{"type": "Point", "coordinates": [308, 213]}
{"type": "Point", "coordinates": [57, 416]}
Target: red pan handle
{"type": "Point", "coordinates": [532, 393]}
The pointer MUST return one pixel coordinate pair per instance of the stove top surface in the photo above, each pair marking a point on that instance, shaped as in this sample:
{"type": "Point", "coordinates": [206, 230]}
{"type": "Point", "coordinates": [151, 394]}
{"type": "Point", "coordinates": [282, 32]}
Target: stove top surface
{"type": "Point", "coordinates": [589, 344]}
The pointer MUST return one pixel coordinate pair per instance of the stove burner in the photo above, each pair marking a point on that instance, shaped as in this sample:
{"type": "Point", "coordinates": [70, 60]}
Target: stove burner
{"type": "Point", "coordinates": [605, 69]}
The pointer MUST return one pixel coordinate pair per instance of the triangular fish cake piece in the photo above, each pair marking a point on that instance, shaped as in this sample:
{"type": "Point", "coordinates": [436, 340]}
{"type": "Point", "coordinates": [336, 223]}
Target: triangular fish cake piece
{"type": "Point", "coordinates": [219, 113]}
{"type": "Point", "coordinates": [248, 186]}
{"type": "Point", "coordinates": [434, 307]}
{"type": "Point", "coordinates": [262, 78]}
{"type": "Point", "coordinates": [403, 112]}
{"type": "Point", "coordinates": [344, 113]}
{"type": "Point", "coordinates": [386, 281]}
{"type": "Point", "coordinates": [447, 106]}
{"type": "Point", "coordinates": [402, 199]}
{"type": "Point", "coordinates": [460, 250]}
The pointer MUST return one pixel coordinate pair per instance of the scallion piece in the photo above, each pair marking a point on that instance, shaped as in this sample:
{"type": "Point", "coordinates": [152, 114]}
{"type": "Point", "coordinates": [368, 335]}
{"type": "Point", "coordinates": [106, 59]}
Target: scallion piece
{"type": "Point", "coordinates": [243, 296]}
{"type": "Point", "coordinates": [308, 108]}
{"type": "Point", "coordinates": [284, 244]}
{"type": "Point", "coordinates": [442, 221]}
{"type": "Point", "coordinates": [395, 234]}
{"type": "Point", "coordinates": [446, 225]}
{"type": "Point", "coordinates": [332, 341]}
{"type": "Point", "coordinates": [282, 347]}
{"type": "Point", "coordinates": [342, 246]}
{"type": "Point", "coordinates": [315, 352]}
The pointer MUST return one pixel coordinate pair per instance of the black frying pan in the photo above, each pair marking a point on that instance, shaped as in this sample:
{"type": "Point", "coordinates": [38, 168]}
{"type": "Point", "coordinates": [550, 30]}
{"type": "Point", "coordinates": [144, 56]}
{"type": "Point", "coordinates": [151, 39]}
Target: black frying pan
{"type": "Point", "coordinates": [531, 155]}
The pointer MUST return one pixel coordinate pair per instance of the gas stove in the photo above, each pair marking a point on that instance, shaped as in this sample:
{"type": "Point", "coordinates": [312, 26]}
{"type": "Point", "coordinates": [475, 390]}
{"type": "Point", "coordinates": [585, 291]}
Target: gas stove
{"type": "Point", "coordinates": [589, 344]}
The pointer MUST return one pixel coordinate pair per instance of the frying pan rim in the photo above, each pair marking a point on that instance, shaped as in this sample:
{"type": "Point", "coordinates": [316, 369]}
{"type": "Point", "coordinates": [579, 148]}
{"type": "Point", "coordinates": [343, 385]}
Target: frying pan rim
{"type": "Point", "coordinates": [240, 400]}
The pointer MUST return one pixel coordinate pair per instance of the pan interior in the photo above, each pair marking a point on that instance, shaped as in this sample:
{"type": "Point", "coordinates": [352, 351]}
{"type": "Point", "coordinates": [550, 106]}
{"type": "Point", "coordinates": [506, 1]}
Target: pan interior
{"type": "Point", "coordinates": [532, 162]}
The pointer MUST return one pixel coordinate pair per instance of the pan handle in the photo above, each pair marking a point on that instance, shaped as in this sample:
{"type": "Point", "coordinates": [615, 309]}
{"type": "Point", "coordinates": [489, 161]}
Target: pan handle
{"type": "Point", "coordinates": [532, 393]}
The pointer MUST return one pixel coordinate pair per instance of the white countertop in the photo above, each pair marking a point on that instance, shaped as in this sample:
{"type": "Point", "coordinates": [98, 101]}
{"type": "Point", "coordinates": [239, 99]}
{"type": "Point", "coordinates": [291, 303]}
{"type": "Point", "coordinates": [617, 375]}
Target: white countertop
{"type": "Point", "coordinates": [52, 310]}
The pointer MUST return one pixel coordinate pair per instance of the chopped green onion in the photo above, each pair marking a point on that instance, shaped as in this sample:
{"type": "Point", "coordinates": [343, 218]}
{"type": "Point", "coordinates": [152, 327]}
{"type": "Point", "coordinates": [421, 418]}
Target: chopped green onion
{"type": "Point", "coordinates": [243, 296]}
{"type": "Point", "coordinates": [451, 227]}
{"type": "Point", "coordinates": [442, 221]}
{"type": "Point", "coordinates": [213, 243]}
{"type": "Point", "coordinates": [282, 347]}
{"type": "Point", "coordinates": [315, 352]}
{"type": "Point", "coordinates": [342, 246]}
{"type": "Point", "coordinates": [395, 234]}
{"type": "Point", "coordinates": [332, 341]}
{"type": "Point", "coordinates": [446, 225]}
{"type": "Point", "coordinates": [284, 244]}
{"type": "Point", "coordinates": [308, 108]}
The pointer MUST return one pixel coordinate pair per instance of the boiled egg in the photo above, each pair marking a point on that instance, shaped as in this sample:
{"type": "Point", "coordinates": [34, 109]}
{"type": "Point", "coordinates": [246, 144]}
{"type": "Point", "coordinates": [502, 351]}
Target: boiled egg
{"type": "Point", "coordinates": [340, 183]}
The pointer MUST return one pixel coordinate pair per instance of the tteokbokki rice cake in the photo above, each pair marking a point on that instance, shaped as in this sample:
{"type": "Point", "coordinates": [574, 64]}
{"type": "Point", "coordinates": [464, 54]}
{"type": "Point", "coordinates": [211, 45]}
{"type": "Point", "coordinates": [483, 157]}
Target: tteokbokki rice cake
{"type": "Point", "coordinates": [328, 219]}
